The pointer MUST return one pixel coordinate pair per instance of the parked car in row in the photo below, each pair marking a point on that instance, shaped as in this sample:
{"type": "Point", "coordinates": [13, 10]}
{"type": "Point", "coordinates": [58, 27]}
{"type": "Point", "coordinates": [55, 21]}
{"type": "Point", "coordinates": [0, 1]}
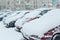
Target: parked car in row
{"type": "Point", "coordinates": [23, 16]}
{"type": "Point", "coordinates": [1, 13]}
{"type": "Point", "coordinates": [9, 22]}
{"type": "Point", "coordinates": [44, 28]}
{"type": "Point", "coordinates": [31, 16]}
{"type": "Point", "coordinates": [11, 15]}
{"type": "Point", "coordinates": [4, 14]}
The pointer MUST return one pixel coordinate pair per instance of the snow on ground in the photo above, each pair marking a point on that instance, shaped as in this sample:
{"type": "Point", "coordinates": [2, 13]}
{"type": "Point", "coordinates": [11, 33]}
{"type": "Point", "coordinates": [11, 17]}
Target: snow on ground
{"type": "Point", "coordinates": [9, 34]}
{"type": "Point", "coordinates": [43, 24]}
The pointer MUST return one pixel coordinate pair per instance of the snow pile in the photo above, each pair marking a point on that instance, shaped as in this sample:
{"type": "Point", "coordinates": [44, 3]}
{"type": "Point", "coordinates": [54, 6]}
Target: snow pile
{"type": "Point", "coordinates": [43, 24]}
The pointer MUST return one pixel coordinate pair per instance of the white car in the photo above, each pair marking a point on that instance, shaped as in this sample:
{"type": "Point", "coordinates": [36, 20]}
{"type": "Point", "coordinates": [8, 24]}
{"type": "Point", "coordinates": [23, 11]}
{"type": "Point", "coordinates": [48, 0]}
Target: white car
{"type": "Point", "coordinates": [4, 14]}
{"type": "Point", "coordinates": [10, 21]}
{"type": "Point", "coordinates": [35, 29]}
{"type": "Point", "coordinates": [31, 16]}
{"type": "Point", "coordinates": [14, 13]}
{"type": "Point", "coordinates": [1, 13]}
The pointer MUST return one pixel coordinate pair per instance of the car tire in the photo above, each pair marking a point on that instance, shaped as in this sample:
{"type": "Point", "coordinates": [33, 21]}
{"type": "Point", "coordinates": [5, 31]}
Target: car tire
{"type": "Point", "coordinates": [56, 36]}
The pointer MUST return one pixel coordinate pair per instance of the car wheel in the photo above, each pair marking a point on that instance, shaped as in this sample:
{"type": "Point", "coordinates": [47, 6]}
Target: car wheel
{"type": "Point", "coordinates": [56, 36]}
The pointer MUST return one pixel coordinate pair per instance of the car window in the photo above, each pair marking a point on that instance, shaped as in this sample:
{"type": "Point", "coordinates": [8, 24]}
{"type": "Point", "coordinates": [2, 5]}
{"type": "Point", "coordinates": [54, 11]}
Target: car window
{"type": "Point", "coordinates": [44, 11]}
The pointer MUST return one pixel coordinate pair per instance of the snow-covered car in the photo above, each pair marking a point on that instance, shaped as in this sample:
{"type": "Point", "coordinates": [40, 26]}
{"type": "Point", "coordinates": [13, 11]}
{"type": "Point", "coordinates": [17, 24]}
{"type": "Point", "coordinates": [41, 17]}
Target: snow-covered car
{"type": "Point", "coordinates": [14, 13]}
{"type": "Point", "coordinates": [4, 14]}
{"type": "Point", "coordinates": [9, 22]}
{"type": "Point", "coordinates": [31, 16]}
{"type": "Point", "coordinates": [44, 28]}
{"type": "Point", "coordinates": [1, 13]}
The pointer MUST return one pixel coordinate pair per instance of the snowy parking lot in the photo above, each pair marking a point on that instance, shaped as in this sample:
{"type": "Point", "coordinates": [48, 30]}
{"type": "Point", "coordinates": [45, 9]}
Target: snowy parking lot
{"type": "Point", "coordinates": [29, 25]}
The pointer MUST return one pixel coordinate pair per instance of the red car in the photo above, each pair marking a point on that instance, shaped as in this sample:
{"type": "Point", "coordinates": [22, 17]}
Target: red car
{"type": "Point", "coordinates": [45, 28]}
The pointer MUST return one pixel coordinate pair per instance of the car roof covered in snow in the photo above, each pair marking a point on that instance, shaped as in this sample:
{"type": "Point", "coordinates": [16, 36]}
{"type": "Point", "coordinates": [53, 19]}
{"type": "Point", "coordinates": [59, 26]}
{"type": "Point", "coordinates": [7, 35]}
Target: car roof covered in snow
{"type": "Point", "coordinates": [43, 24]}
